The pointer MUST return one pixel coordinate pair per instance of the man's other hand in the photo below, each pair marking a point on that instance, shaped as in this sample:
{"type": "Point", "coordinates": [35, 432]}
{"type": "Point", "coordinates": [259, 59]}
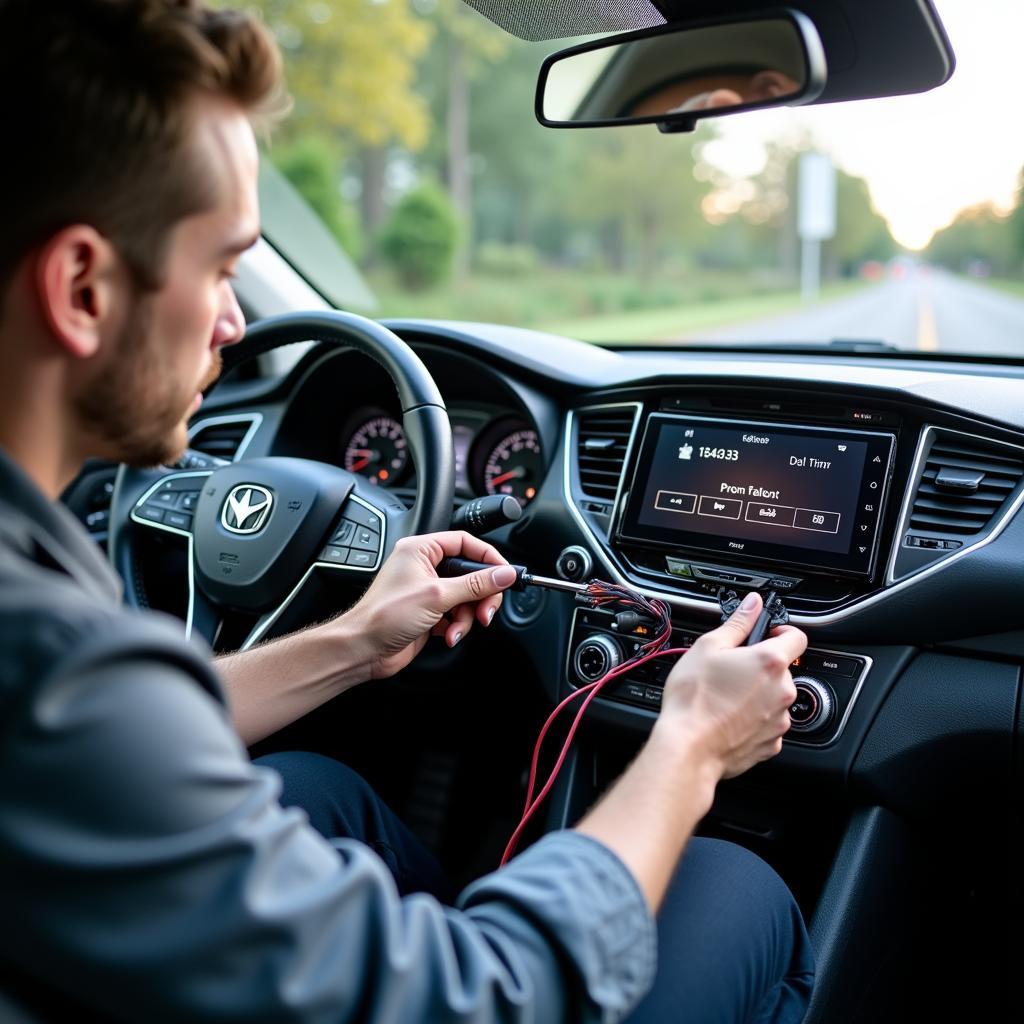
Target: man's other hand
{"type": "Point", "coordinates": [408, 602]}
{"type": "Point", "coordinates": [734, 701]}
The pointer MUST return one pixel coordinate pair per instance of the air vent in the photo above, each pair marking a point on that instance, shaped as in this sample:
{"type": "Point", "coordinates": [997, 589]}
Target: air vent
{"type": "Point", "coordinates": [222, 438]}
{"type": "Point", "coordinates": [966, 480]}
{"type": "Point", "coordinates": [601, 449]}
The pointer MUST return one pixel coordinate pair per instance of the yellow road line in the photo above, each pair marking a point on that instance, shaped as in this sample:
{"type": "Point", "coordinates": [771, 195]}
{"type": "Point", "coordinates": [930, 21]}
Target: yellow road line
{"type": "Point", "coordinates": [927, 332]}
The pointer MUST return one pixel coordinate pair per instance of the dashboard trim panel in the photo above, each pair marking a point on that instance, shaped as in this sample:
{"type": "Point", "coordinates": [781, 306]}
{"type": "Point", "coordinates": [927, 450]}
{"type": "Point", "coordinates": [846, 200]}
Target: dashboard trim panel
{"type": "Point", "coordinates": [997, 526]}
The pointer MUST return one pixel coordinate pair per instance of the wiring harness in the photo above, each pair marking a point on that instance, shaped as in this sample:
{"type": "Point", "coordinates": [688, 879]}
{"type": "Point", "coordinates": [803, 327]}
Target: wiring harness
{"type": "Point", "coordinates": [632, 608]}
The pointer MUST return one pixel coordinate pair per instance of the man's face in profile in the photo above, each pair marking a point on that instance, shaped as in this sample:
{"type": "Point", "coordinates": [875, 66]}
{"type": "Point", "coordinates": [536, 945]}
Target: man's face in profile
{"type": "Point", "coordinates": [165, 351]}
{"type": "Point", "coordinates": [717, 91]}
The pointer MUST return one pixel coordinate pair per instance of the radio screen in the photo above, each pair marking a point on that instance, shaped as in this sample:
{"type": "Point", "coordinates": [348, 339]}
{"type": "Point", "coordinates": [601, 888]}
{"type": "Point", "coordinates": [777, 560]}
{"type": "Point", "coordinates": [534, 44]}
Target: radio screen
{"type": "Point", "coordinates": [797, 495]}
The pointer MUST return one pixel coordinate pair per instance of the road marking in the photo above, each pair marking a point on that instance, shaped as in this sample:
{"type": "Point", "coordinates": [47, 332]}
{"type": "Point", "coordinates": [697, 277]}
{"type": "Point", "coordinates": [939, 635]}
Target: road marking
{"type": "Point", "coordinates": [927, 332]}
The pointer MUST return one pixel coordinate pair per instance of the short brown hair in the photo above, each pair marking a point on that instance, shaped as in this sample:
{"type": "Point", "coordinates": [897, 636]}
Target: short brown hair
{"type": "Point", "coordinates": [96, 128]}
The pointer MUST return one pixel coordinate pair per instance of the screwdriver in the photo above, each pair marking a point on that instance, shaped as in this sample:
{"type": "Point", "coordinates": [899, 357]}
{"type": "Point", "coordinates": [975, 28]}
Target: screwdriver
{"type": "Point", "coordinates": [524, 578]}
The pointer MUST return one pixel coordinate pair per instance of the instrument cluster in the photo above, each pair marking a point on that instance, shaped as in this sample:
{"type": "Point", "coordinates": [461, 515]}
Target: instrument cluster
{"type": "Point", "coordinates": [495, 452]}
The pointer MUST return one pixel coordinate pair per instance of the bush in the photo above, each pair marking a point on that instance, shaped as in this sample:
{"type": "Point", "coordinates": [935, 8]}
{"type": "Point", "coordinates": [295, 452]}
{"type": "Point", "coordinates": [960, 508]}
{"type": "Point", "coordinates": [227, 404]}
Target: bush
{"type": "Point", "coordinates": [420, 237]}
{"type": "Point", "coordinates": [502, 260]}
{"type": "Point", "coordinates": [310, 165]}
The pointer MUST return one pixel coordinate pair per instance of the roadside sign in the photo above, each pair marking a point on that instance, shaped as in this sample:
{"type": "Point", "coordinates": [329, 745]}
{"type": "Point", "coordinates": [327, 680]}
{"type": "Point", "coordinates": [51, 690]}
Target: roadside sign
{"type": "Point", "coordinates": [817, 202]}
{"type": "Point", "coordinates": [816, 218]}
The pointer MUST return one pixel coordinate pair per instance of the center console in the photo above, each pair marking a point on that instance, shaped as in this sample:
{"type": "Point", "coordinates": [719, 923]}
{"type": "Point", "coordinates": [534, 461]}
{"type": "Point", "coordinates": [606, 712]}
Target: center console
{"type": "Point", "coordinates": [794, 500]}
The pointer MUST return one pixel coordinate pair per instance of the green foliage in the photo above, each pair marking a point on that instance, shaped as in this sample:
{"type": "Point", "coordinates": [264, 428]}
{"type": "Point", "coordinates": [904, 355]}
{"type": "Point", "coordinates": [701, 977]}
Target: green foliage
{"type": "Point", "coordinates": [500, 260]}
{"type": "Point", "coordinates": [351, 68]}
{"type": "Point", "coordinates": [312, 168]}
{"type": "Point", "coordinates": [421, 236]}
{"type": "Point", "coordinates": [979, 236]}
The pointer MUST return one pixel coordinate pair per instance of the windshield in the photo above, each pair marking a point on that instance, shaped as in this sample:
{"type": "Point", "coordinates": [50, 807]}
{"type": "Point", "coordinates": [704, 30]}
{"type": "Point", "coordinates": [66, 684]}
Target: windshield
{"type": "Point", "coordinates": [413, 137]}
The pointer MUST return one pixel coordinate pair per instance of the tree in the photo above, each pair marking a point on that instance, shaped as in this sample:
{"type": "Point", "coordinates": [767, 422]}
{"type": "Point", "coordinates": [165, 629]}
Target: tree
{"type": "Point", "coordinates": [420, 239]}
{"type": "Point", "coordinates": [979, 234]}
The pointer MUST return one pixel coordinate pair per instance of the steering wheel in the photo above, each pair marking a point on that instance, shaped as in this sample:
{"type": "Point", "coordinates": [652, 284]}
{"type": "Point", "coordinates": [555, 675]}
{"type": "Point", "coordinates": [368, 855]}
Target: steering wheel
{"type": "Point", "coordinates": [258, 529]}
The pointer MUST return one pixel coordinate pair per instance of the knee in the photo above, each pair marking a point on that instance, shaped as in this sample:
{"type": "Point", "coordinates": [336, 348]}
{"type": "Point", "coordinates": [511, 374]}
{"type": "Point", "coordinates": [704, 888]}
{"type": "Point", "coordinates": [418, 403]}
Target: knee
{"type": "Point", "coordinates": [748, 901]}
{"type": "Point", "coordinates": [741, 878]}
{"type": "Point", "coordinates": [313, 781]}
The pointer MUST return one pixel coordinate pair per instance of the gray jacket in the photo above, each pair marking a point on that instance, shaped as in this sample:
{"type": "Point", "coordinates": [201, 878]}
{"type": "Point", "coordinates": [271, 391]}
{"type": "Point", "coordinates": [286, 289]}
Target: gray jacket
{"type": "Point", "coordinates": [148, 871]}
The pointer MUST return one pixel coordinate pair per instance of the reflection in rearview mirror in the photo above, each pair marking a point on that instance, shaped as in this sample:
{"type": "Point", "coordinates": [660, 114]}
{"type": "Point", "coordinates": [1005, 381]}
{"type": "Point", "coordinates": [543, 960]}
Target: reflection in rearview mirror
{"type": "Point", "coordinates": [677, 74]}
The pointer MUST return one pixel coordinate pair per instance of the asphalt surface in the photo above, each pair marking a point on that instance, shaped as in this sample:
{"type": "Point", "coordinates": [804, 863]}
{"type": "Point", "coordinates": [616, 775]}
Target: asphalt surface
{"type": "Point", "coordinates": [921, 309]}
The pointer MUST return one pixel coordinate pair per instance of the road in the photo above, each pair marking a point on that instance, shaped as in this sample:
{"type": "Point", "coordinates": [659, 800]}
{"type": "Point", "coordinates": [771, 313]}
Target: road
{"type": "Point", "coordinates": [924, 309]}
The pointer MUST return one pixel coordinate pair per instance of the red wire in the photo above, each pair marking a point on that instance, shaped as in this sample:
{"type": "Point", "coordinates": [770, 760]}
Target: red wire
{"type": "Point", "coordinates": [591, 690]}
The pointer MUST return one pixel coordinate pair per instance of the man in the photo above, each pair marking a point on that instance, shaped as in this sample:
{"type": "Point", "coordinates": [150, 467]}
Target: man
{"type": "Point", "coordinates": [149, 871]}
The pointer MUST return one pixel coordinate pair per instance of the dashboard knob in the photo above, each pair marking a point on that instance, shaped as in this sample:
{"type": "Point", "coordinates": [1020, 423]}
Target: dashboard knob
{"type": "Point", "coordinates": [814, 704]}
{"type": "Point", "coordinates": [574, 564]}
{"type": "Point", "coordinates": [596, 656]}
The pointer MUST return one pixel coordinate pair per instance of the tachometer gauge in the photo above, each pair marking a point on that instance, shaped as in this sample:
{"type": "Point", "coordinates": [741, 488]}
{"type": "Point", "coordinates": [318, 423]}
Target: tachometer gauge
{"type": "Point", "coordinates": [378, 450]}
{"type": "Point", "coordinates": [515, 466]}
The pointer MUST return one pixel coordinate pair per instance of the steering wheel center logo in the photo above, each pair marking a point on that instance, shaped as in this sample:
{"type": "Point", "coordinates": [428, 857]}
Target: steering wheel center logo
{"type": "Point", "coordinates": [247, 509]}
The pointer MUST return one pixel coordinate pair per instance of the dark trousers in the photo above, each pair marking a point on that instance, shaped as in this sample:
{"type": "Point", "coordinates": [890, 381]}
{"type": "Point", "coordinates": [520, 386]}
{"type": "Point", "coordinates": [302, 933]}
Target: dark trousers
{"type": "Point", "coordinates": [731, 942]}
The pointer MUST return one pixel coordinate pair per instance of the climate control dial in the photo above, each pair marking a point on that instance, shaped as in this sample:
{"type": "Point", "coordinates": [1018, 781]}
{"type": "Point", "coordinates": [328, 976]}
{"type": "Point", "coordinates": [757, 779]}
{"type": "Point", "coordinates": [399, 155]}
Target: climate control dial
{"type": "Point", "coordinates": [814, 705]}
{"type": "Point", "coordinates": [596, 656]}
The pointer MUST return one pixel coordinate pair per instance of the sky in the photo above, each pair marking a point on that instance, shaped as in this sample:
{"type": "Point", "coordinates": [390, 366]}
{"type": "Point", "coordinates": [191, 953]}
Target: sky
{"type": "Point", "coordinates": [924, 157]}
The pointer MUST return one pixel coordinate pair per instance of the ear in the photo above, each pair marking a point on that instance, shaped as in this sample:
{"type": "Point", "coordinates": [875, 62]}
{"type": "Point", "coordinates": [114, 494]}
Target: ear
{"type": "Point", "coordinates": [78, 277]}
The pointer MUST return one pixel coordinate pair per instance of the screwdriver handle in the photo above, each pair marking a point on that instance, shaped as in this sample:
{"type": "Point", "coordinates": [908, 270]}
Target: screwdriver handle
{"type": "Point", "coordinates": [463, 567]}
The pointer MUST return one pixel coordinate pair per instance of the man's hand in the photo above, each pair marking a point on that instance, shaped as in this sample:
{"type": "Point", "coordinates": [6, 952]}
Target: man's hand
{"type": "Point", "coordinates": [408, 602]}
{"type": "Point", "coordinates": [735, 700]}
{"type": "Point", "coordinates": [725, 708]}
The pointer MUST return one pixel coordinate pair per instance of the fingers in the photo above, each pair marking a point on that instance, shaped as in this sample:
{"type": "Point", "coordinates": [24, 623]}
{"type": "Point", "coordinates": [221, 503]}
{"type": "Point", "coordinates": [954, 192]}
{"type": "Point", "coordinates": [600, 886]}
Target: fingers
{"type": "Point", "coordinates": [458, 543]}
{"type": "Point", "coordinates": [784, 646]}
{"type": "Point", "coordinates": [481, 590]}
{"type": "Point", "coordinates": [737, 628]}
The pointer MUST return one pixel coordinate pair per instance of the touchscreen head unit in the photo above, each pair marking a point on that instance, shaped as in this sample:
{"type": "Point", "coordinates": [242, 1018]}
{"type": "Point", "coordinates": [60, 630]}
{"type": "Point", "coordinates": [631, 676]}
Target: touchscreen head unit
{"type": "Point", "coordinates": [803, 496]}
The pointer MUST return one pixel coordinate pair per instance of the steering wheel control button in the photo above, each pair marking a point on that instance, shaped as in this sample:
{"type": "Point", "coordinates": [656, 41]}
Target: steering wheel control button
{"type": "Point", "coordinates": [151, 513]}
{"type": "Point", "coordinates": [813, 706]}
{"type": "Point", "coordinates": [830, 664]}
{"type": "Point", "coordinates": [365, 539]}
{"type": "Point", "coordinates": [362, 516]}
{"type": "Point", "coordinates": [574, 564]}
{"type": "Point", "coordinates": [362, 559]}
{"type": "Point", "coordinates": [343, 536]}
{"type": "Point", "coordinates": [334, 555]}
{"type": "Point", "coordinates": [189, 500]}
{"type": "Point", "coordinates": [179, 520]}
{"type": "Point", "coordinates": [166, 497]}
{"type": "Point", "coordinates": [596, 656]}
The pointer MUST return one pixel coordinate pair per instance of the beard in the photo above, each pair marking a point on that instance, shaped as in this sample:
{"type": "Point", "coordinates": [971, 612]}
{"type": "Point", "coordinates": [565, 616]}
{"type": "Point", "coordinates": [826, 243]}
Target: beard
{"type": "Point", "coordinates": [136, 408]}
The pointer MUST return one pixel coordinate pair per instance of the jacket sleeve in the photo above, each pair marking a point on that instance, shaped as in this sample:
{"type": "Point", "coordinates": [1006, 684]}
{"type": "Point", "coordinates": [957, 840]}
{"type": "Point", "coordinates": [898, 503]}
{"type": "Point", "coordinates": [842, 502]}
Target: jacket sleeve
{"type": "Point", "coordinates": [158, 878]}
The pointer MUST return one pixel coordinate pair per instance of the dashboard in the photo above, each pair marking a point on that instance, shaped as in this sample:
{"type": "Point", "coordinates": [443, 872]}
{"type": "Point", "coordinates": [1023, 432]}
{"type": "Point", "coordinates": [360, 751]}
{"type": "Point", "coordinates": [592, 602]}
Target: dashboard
{"type": "Point", "coordinates": [878, 498]}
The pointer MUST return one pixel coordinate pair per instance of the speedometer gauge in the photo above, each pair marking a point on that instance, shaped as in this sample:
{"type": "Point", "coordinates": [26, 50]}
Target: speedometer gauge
{"type": "Point", "coordinates": [515, 466]}
{"type": "Point", "coordinates": [378, 450]}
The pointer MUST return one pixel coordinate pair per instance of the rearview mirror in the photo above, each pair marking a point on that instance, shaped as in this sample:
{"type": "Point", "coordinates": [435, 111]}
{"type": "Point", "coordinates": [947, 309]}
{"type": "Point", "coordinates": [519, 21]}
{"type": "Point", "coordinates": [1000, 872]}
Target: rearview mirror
{"type": "Point", "coordinates": [675, 75]}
